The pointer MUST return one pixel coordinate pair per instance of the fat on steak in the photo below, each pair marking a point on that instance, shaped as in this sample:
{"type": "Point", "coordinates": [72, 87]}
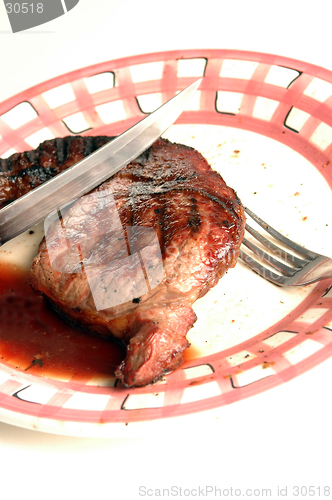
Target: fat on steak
{"type": "Point", "coordinates": [129, 259]}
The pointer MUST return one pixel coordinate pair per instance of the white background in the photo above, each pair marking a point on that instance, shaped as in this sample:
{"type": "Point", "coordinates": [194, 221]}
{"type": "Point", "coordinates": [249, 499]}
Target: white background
{"type": "Point", "coordinates": [279, 438]}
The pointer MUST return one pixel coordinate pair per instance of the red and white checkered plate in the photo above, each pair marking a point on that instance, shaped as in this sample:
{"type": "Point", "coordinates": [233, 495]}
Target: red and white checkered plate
{"type": "Point", "coordinates": [265, 123]}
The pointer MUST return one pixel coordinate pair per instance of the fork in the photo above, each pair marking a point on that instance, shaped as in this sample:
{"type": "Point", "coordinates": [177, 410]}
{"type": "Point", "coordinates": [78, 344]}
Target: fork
{"type": "Point", "coordinates": [292, 270]}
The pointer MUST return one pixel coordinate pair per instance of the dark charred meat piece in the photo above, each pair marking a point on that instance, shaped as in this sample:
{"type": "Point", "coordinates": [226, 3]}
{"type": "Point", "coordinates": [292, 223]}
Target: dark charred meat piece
{"type": "Point", "coordinates": [169, 195]}
{"type": "Point", "coordinates": [22, 172]}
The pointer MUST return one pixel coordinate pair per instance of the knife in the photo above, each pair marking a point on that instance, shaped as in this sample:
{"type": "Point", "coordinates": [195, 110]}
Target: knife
{"type": "Point", "coordinates": [33, 207]}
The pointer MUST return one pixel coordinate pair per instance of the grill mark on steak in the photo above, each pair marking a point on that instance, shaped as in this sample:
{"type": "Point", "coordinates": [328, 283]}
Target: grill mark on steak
{"type": "Point", "coordinates": [33, 155]}
{"type": "Point", "coordinates": [22, 172]}
{"type": "Point", "coordinates": [194, 220]}
{"type": "Point", "coordinates": [228, 205]}
{"type": "Point", "coordinates": [199, 222]}
{"type": "Point", "coordinates": [61, 150]}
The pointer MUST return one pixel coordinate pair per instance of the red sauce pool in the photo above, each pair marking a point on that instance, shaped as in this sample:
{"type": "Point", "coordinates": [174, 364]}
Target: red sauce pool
{"type": "Point", "coordinates": [34, 339]}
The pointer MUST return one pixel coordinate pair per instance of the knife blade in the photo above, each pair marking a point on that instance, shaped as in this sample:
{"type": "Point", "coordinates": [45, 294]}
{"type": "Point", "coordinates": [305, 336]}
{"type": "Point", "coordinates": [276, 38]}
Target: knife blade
{"type": "Point", "coordinates": [33, 207]}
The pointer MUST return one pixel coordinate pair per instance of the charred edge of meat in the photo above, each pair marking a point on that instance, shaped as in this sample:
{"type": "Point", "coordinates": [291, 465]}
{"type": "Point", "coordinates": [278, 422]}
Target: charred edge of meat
{"type": "Point", "coordinates": [62, 147]}
{"type": "Point", "coordinates": [164, 373]}
{"type": "Point", "coordinates": [7, 163]}
{"type": "Point", "coordinates": [16, 159]}
{"type": "Point", "coordinates": [181, 145]}
{"type": "Point", "coordinates": [36, 175]}
{"type": "Point", "coordinates": [22, 172]}
{"type": "Point", "coordinates": [27, 166]}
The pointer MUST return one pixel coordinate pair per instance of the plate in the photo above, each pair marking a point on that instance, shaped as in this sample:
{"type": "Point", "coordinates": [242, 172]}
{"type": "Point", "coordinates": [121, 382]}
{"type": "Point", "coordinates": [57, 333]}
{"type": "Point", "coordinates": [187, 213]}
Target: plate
{"type": "Point", "coordinates": [265, 123]}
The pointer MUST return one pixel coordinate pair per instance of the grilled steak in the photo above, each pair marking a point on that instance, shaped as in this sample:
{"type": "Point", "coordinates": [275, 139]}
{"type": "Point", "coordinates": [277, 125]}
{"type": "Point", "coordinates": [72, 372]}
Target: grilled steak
{"type": "Point", "coordinates": [129, 259]}
{"type": "Point", "coordinates": [22, 172]}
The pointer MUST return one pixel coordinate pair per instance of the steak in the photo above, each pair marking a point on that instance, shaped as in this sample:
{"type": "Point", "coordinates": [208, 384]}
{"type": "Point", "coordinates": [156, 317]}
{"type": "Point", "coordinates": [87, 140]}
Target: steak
{"type": "Point", "coordinates": [129, 259]}
{"type": "Point", "coordinates": [22, 172]}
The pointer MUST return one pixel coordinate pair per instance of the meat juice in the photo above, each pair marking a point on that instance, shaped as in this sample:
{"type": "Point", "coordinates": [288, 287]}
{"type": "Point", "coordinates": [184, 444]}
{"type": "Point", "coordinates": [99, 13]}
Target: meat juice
{"type": "Point", "coordinates": [35, 340]}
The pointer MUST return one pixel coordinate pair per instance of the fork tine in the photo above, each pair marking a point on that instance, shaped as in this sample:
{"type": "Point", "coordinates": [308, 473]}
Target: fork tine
{"type": "Point", "coordinates": [287, 270]}
{"type": "Point", "coordinates": [277, 279]}
{"type": "Point", "coordinates": [291, 244]}
{"type": "Point", "coordinates": [274, 248]}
